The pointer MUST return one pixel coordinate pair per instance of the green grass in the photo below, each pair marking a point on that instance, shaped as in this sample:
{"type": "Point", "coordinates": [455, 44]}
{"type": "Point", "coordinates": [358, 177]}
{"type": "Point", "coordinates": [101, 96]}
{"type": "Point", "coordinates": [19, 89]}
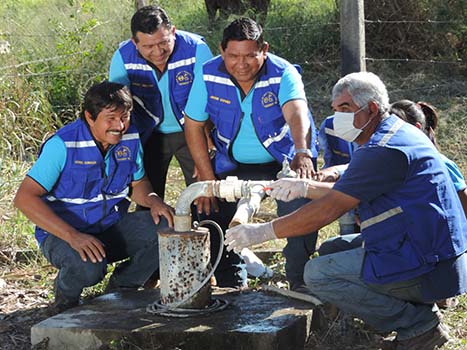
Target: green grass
{"type": "Point", "coordinates": [59, 48]}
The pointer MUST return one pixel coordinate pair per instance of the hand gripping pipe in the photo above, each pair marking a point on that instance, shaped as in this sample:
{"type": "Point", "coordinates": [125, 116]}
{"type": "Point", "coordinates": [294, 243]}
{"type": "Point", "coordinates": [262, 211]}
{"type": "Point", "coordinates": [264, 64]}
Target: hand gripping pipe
{"type": "Point", "coordinates": [249, 192]}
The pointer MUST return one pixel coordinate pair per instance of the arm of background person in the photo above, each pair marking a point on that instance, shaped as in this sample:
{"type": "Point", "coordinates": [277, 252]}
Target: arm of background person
{"type": "Point", "coordinates": [196, 120]}
{"type": "Point", "coordinates": [296, 115]}
{"type": "Point", "coordinates": [314, 215]}
{"type": "Point", "coordinates": [198, 145]}
{"type": "Point", "coordinates": [324, 146]}
{"type": "Point", "coordinates": [117, 70]}
{"type": "Point", "coordinates": [295, 110]}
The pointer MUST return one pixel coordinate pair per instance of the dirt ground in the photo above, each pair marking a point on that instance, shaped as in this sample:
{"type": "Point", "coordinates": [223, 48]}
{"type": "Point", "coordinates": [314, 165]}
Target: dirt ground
{"type": "Point", "coordinates": [24, 301]}
{"type": "Point", "coordinates": [20, 309]}
{"type": "Point", "coordinates": [25, 295]}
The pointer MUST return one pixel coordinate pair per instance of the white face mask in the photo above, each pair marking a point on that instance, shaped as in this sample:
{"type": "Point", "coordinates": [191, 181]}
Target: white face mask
{"type": "Point", "coordinates": [343, 125]}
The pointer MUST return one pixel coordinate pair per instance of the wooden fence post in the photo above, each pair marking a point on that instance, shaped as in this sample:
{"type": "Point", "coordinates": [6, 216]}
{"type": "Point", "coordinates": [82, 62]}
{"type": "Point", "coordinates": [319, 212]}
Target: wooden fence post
{"type": "Point", "coordinates": [352, 24]}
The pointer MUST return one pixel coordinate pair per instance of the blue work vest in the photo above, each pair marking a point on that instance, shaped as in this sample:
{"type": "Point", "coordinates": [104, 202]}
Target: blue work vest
{"type": "Point", "coordinates": [408, 231]}
{"type": "Point", "coordinates": [148, 111]}
{"type": "Point", "coordinates": [85, 196]}
{"type": "Point", "coordinates": [225, 112]}
{"type": "Point", "coordinates": [340, 151]}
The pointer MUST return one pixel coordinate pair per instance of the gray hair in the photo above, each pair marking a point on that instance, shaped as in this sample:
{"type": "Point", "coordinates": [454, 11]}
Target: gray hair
{"type": "Point", "coordinates": [363, 87]}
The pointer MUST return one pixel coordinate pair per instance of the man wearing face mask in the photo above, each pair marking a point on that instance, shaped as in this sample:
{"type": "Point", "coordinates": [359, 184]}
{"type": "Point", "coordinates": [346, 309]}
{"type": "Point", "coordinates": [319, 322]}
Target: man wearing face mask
{"type": "Point", "coordinates": [413, 227]}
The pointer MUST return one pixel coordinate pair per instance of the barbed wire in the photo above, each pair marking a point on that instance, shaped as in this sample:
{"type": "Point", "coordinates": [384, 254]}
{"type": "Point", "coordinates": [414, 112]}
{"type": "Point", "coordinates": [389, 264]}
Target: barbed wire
{"type": "Point", "coordinates": [425, 88]}
{"type": "Point", "coordinates": [42, 60]}
{"type": "Point", "coordinates": [410, 60]}
{"type": "Point", "coordinates": [52, 73]}
{"type": "Point", "coordinates": [305, 25]}
{"type": "Point", "coordinates": [428, 21]}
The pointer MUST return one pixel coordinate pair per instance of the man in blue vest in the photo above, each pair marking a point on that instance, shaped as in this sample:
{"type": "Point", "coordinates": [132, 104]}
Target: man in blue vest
{"type": "Point", "coordinates": [257, 103]}
{"type": "Point", "coordinates": [76, 193]}
{"type": "Point", "coordinates": [413, 227]}
{"type": "Point", "coordinates": [336, 151]}
{"type": "Point", "coordinates": [159, 64]}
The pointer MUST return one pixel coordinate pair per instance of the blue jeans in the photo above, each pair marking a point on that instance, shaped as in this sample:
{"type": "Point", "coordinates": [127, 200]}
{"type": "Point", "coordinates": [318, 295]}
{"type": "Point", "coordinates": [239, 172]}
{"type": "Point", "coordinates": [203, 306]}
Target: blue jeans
{"type": "Point", "coordinates": [134, 237]}
{"type": "Point", "coordinates": [398, 306]}
{"type": "Point", "coordinates": [347, 223]}
{"type": "Point", "coordinates": [298, 250]}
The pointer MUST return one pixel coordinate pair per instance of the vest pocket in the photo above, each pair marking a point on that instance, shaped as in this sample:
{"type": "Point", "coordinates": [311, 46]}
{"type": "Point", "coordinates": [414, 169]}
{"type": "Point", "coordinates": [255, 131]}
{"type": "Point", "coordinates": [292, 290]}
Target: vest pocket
{"type": "Point", "coordinates": [224, 122]}
{"type": "Point", "coordinates": [393, 259]}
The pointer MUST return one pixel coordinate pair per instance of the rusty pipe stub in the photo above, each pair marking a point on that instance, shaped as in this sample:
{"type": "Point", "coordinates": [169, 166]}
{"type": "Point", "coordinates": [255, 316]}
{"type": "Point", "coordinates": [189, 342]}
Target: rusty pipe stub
{"type": "Point", "coordinates": [184, 263]}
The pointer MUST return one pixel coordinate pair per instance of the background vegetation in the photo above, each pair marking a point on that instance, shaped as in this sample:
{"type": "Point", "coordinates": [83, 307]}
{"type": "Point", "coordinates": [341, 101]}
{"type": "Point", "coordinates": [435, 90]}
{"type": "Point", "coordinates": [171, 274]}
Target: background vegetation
{"type": "Point", "coordinates": [56, 49]}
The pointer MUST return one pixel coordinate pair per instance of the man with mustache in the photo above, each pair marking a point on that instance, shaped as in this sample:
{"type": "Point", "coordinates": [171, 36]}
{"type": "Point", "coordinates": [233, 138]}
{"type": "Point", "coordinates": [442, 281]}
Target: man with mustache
{"type": "Point", "coordinates": [257, 103]}
{"type": "Point", "coordinates": [76, 194]}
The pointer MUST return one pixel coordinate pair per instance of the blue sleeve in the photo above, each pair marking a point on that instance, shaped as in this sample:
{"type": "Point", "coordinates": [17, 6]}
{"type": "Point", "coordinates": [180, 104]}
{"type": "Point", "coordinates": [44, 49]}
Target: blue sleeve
{"type": "Point", "coordinates": [48, 167]}
{"type": "Point", "coordinates": [291, 86]}
{"type": "Point", "coordinates": [197, 100]}
{"type": "Point", "coordinates": [323, 145]}
{"type": "Point", "coordinates": [454, 173]}
{"type": "Point", "coordinates": [203, 54]}
{"type": "Point", "coordinates": [373, 172]}
{"type": "Point", "coordinates": [139, 173]}
{"type": "Point", "coordinates": [117, 71]}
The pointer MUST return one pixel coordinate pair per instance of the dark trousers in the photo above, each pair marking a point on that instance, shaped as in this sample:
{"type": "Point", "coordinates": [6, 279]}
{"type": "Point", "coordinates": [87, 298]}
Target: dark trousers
{"type": "Point", "coordinates": [298, 249]}
{"type": "Point", "coordinates": [158, 153]}
{"type": "Point", "coordinates": [133, 237]}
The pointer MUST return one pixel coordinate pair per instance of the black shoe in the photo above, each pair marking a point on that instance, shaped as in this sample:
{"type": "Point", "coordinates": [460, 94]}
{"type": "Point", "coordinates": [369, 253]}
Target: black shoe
{"type": "Point", "coordinates": [59, 306]}
{"type": "Point", "coordinates": [112, 287]}
{"type": "Point", "coordinates": [61, 302]}
{"type": "Point", "coordinates": [433, 339]}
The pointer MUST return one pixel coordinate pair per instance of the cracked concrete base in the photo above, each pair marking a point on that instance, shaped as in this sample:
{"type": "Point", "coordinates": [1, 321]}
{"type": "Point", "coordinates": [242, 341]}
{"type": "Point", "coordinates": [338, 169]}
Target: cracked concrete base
{"type": "Point", "coordinates": [251, 321]}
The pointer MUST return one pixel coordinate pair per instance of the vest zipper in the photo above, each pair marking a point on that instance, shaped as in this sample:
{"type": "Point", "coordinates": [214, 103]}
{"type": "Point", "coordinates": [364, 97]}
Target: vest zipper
{"type": "Point", "coordinates": [229, 150]}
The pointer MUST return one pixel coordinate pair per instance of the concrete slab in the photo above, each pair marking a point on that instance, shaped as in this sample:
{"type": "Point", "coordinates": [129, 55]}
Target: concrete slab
{"type": "Point", "coordinates": [251, 321]}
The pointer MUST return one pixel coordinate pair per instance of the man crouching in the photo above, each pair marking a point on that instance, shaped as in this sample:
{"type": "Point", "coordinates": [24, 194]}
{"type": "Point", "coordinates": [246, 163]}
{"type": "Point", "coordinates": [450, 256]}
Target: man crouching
{"type": "Point", "coordinates": [76, 193]}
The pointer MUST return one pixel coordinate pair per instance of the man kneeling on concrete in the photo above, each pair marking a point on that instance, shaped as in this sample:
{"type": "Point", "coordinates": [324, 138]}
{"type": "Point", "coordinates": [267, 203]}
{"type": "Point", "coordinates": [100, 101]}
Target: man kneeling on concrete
{"type": "Point", "coordinates": [76, 194]}
{"type": "Point", "coordinates": [413, 226]}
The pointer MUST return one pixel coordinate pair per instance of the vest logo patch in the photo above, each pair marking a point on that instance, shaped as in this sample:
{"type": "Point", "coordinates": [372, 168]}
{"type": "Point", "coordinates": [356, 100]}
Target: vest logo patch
{"type": "Point", "coordinates": [122, 153]}
{"type": "Point", "coordinates": [184, 78]}
{"type": "Point", "coordinates": [220, 99]}
{"type": "Point", "coordinates": [269, 99]}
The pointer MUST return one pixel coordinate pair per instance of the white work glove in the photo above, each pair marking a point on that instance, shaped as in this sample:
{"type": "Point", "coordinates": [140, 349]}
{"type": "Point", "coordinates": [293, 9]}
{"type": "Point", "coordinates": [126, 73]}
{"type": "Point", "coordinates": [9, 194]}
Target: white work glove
{"type": "Point", "coordinates": [288, 189]}
{"type": "Point", "coordinates": [242, 236]}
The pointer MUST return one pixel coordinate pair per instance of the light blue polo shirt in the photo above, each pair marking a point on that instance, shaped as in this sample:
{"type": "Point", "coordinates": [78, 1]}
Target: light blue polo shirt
{"type": "Point", "coordinates": [246, 148]}
{"type": "Point", "coordinates": [170, 124]}
{"type": "Point", "coordinates": [49, 166]}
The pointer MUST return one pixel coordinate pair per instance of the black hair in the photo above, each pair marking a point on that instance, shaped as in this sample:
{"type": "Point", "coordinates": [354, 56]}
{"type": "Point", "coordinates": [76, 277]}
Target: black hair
{"type": "Point", "coordinates": [432, 120]}
{"type": "Point", "coordinates": [421, 112]}
{"type": "Point", "coordinates": [409, 111]}
{"type": "Point", "coordinates": [243, 28]}
{"type": "Point", "coordinates": [149, 19]}
{"type": "Point", "coordinates": [106, 95]}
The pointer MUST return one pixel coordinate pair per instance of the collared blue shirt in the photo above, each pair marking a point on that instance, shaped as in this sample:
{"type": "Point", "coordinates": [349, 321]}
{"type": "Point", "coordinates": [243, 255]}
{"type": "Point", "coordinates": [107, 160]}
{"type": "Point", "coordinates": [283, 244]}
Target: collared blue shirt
{"type": "Point", "coordinates": [118, 74]}
{"type": "Point", "coordinates": [247, 148]}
